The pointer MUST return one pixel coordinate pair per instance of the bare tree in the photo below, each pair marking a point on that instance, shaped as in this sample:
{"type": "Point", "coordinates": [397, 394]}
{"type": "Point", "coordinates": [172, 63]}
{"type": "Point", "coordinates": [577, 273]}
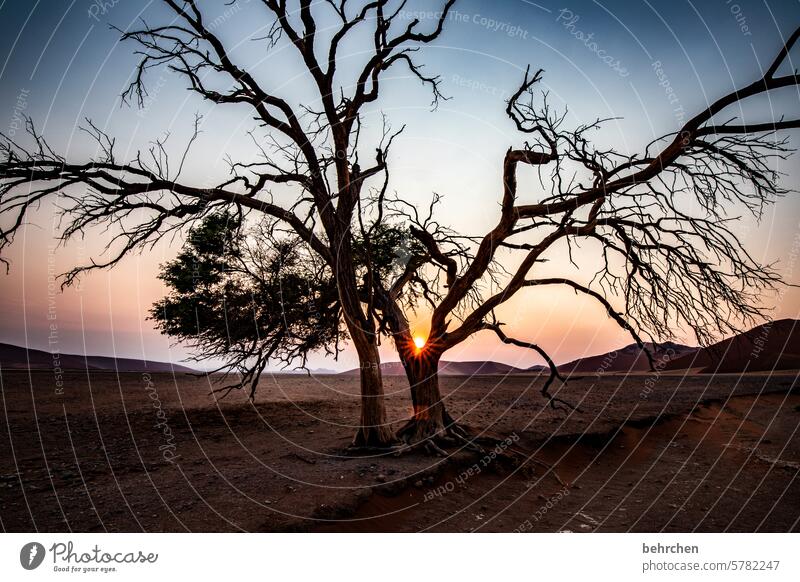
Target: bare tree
{"type": "Point", "coordinates": [312, 148]}
{"type": "Point", "coordinates": [658, 220]}
{"type": "Point", "coordinates": [659, 223]}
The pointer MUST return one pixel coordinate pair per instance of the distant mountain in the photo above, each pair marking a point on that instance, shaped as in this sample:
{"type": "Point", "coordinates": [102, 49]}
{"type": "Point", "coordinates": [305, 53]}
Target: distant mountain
{"type": "Point", "coordinates": [774, 345]}
{"type": "Point", "coordinates": [479, 367]}
{"type": "Point", "coordinates": [450, 369]}
{"type": "Point", "coordinates": [19, 358]}
{"type": "Point", "coordinates": [771, 346]}
{"type": "Point", "coordinates": [312, 371]}
{"type": "Point", "coordinates": [536, 368]}
{"type": "Point", "coordinates": [628, 359]}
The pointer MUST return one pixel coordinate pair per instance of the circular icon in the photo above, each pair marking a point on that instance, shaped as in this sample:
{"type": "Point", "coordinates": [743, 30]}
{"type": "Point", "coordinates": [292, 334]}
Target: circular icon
{"type": "Point", "coordinates": [31, 555]}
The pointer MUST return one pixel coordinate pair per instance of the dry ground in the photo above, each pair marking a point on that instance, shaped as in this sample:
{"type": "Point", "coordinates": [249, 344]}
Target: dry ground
{"type": "Point", "coordinates": [696, 453]}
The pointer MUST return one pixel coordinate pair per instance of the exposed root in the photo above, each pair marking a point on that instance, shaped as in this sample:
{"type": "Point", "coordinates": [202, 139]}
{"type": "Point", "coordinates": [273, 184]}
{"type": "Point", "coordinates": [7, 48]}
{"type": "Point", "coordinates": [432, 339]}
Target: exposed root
{"type": "Point", "coordinates": [435, 435]}
{"type": "Point", "coordinates": [373, 449]}
{"type": "Point", "coordinates": [373, 439]}
{"type": "Point", "coordinates": [432, 448]}
{"type": "Point", "coordinates": [433, 439]}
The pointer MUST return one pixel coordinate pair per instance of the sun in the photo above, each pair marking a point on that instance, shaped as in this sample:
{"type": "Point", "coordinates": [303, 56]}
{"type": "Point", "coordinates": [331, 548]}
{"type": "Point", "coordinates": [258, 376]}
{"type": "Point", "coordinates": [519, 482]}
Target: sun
{"type": "Point", "coordinates": [419, 342]}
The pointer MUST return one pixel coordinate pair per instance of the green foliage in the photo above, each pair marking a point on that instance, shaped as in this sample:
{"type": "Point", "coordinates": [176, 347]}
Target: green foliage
{"type": "Point", "coordinates": [389, 249]}
{"type": "Point", "coordinates": [244, 298]}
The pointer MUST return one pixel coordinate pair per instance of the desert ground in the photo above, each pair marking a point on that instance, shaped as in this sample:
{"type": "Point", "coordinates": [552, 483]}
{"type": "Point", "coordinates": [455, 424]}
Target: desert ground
{"type": "Point", "coordinates": [648, 452]}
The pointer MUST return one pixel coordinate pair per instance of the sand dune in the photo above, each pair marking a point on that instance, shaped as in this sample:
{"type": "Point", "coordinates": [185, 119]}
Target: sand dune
{"type": "Point", "coordinates": [628, 359]}
{"type": "Point", "coordinates": [19, 358]}
{"type": "Point", "coordinates": [451, 369]}
{"type": "Point", "coordinates": [766, 347]}
{"type": "Point", "coordinates": [774, 345]}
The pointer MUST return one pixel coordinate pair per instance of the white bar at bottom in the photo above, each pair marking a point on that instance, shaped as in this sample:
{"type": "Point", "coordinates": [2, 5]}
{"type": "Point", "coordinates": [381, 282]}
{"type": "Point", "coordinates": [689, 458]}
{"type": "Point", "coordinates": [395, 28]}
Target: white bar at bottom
{"type": "Point", "coordinates": [402, 557]}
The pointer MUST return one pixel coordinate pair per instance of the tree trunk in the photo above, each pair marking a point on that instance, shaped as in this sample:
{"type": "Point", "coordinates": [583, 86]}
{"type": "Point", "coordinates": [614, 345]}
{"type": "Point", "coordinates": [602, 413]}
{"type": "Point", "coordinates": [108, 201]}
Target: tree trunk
{"type": "Point", "coordinates": [374, 430]}
{"type": "Point", "coordinates": [430, 420]}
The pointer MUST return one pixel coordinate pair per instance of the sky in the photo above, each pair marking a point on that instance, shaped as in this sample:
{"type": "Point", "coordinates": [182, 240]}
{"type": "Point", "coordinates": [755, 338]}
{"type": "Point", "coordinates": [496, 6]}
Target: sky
{"type": "Point", "coordinates": [648, 65]}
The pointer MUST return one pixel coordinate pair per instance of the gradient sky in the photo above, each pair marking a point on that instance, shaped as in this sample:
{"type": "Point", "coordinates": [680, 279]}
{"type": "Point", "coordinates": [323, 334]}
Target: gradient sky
{"type": "Point", "coordinates": [61, 63]}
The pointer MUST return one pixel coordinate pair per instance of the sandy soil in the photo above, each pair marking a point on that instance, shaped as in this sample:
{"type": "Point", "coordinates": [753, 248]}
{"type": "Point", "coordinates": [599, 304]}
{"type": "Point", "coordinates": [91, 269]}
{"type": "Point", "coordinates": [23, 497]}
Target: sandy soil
{"type": "Point", "coordinates": [132, 452]}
